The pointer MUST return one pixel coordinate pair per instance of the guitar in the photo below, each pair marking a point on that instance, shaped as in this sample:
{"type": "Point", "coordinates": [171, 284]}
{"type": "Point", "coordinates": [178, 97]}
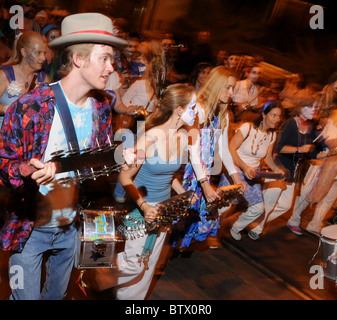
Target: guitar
{"type": "Point", "coordinates": [134, 225]}
{"type": "Point", "coordinates": [89, 163]}
{"type": "Point", "coordinates": [270, 174]}
{"type": "Point", "coordinates": [226, 196]}
{"type": "Point", "coordinates": [171, 210]}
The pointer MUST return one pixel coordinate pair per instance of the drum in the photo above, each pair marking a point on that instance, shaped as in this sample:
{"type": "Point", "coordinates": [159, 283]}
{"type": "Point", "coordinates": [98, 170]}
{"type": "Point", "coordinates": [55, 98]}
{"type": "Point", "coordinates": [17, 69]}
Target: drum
{"type": "Point", "coordinates": [99, 240]}
{"type": "Point", "coordinates": [329, 251]}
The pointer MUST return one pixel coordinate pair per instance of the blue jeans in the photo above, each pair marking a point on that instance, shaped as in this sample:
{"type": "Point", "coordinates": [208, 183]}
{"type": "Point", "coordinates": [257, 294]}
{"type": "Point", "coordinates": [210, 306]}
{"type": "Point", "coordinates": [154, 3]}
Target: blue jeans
{"type": "Point", "coordinates": [60, 246]}
{"type": "Point", "coordinates": [119, 190]}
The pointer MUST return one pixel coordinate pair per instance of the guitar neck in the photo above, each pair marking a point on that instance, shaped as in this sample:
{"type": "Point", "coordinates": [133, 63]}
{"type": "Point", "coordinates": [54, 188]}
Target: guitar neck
{"type": "Point", "coordinates": [96, 158]}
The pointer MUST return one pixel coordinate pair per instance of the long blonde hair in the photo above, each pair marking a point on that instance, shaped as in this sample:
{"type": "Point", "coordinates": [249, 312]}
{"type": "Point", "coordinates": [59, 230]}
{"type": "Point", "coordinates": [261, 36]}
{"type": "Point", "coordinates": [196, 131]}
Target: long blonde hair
{"type": "Point", "coordinates": [209, 93]}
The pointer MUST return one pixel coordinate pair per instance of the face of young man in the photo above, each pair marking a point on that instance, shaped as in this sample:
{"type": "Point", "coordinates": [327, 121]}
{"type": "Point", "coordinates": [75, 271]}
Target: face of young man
{"type": "Point", "coordinates": [98, 66]}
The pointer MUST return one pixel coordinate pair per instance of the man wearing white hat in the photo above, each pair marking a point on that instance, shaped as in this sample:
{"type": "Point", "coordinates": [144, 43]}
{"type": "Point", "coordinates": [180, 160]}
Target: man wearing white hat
{"type": "Point", "coordinates": [40, 214]}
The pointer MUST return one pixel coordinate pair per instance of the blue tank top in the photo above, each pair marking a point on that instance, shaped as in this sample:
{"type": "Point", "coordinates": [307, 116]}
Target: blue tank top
{"type": "Point", "coordinates": [154, 178]}
{"type": "Point", "coordinates": [7, 99]}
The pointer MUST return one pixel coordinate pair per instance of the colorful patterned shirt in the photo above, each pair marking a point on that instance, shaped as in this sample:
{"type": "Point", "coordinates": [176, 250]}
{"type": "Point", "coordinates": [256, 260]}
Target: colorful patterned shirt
{"type": "Point", "coordinates": [24, 135]}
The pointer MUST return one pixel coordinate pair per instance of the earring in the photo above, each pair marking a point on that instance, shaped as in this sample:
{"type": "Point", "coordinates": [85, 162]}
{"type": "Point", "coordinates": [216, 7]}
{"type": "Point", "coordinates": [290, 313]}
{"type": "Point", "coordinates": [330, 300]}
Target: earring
{"type": "Point", "coordinates": [178, 120]}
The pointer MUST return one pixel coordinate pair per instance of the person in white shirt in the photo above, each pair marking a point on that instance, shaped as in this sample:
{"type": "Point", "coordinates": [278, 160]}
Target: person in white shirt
{"type": "Point", "coordinates": [252, 143]}
{"type": "Point", "coordinates": [245, 96]}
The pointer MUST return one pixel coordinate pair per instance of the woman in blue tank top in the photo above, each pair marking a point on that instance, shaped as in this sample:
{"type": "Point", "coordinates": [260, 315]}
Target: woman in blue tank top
{"type": "Point", "coordinates": [21, 72]}
{"type": "Point", "coordinates": [148, 182]}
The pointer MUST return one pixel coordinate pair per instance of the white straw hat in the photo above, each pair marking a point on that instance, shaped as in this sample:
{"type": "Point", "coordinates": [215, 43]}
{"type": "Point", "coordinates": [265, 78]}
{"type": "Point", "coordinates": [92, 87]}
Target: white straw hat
{"type": "Point", "coordinates": [86, 28]}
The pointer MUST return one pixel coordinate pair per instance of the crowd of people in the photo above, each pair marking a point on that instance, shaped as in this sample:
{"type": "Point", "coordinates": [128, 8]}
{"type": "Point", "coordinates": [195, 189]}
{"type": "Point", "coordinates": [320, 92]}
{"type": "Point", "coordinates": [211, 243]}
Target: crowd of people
{"type": "Point", "coordinates": [212, 123]}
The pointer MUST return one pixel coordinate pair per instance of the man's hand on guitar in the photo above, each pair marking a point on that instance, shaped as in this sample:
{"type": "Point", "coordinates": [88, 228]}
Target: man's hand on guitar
{"type": "Point", "coordinates": [45, 172]}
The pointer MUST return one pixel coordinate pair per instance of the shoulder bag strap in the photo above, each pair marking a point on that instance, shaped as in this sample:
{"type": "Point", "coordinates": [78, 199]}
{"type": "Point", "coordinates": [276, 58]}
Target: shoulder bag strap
{"type": "Point", "coordinates": [63, 109]}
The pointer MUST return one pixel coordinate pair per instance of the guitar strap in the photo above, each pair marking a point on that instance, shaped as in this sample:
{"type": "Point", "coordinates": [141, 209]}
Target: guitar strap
{"type": "Point", "coordinates": [69, 129]}
{"type": "Point", "coordinates": [67, 122]}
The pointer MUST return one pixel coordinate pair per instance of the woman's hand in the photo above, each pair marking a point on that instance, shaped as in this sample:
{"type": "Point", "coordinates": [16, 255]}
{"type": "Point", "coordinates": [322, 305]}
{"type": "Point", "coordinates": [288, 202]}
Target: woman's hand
{"type": "Point", "coordinates": [194, 198]}
{"type": "Point", "coordinates": [150, 213]}
{"type": "Point", "coordinates": [237, 180]}
{"type": "Point", "coordinates": [209, 193]}
{"type": "Point", "coordinates": [306, 148]}
{"type": "Point", "coordinates": [131, 158]}
{"type": "Point", "coordinates": [249, 172]}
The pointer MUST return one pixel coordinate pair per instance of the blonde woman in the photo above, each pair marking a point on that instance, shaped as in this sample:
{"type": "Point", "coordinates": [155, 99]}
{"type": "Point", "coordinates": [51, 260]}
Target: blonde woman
{"type": "Point", "coordinates": [21, 73]}
{"type": "Point", "coordinates": [213, 119]}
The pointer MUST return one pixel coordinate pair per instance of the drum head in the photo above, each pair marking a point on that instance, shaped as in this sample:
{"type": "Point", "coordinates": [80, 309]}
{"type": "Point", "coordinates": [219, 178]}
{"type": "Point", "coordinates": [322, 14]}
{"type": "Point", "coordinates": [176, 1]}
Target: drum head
{"type": "Point", "coordinates": [330, 232]}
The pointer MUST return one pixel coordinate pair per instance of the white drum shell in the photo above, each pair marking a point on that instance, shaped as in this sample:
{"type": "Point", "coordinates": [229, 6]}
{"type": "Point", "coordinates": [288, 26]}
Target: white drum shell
{"type": "Point", "coordinates": [329, 251]}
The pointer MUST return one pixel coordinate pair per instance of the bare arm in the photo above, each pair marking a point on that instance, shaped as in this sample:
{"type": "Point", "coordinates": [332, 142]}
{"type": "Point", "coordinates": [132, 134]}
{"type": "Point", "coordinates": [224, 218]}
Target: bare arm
{"type": "Point", "coordinates": [234, 145]}
{"type": "Point", "coordinates": [3, 87]}
{"type": "Point", "coordinates": [126, 180]}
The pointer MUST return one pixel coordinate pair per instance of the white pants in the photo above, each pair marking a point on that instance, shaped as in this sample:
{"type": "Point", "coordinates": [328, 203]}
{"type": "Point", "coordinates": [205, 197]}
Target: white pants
{"type": "Point", "coordinates": [131, 279]}
{"type": "Point", "coordinates": [247, 217]}
{"type": "Point", "coordinates": [276, 202]}
{"type": "Point", "coordinates": [322, 209]}
{"type": "Point", "coordinates": [301, 202]}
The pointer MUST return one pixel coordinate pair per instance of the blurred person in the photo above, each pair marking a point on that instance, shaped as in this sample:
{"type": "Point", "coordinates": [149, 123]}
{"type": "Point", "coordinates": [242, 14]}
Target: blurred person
{"type": "Point", "coordinates": [148, 182]}
{"type": "Point", "coordinates": [311, 182]}
{"type": "Point", "coordinates": [221, 57]}
{"type": "Point", "coordinates": [199, 74]}
{"type": "Point", "coordinates": [126, 62]}
{"type": "Point", "coordinates": [202, 50]}
{"type": "Point", "coordinates": [295, 145]}
{"type": "Point", "coordinates": [40, 216]}
{"type": "Point", "coordinates": [245, 96]}
{"type": "Point", "coordinates": [42, 19]}
{"type": "Point", "coordinates": [170, 55]}
{"type": "Point", "coordinates": [121, 27]}
{"type": "Point", "coordinates": [288, 95]}
{"type": "Point", "coordinates": [329, 96]}
{"type": "Point", "coordinates": [145, 56]}
{"type": "Point", "coordinates": [212, 133]}
{"type": "Point", "coordinates": [142, 94]}
{"type": "Point", "coordinates": [30, 10]}
{"type": "Point", "coordinates": [251, 144]}
{"type": "Point", "coordinates": [233, 61]}
{"type": "Point", "coordinates": [22, 72]}
{"type": "Point", "coordinates": [52, 63]}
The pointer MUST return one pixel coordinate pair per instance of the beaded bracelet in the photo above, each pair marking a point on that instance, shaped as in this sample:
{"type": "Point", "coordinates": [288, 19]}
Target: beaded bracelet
{"type": "Point", "coordinates": [202, 181]}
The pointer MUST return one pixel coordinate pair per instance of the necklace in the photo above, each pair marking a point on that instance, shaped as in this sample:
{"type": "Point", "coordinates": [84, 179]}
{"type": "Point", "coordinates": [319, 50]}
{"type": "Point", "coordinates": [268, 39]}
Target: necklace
{"type": "Point", "coordinates": [259, 144]}
{"type": "Point", "coordinates": [24, 78]}
{"type": "Point", "coordinates": [303, 125]}
{"type": "Point", "coordinates": [303, 122]}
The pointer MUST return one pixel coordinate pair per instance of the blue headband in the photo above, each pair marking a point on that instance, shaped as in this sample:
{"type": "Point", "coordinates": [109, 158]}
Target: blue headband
{"type": "Point", "coordinates": [48, 28]}
{"type": "Point", "coordinates": [267, 105]}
